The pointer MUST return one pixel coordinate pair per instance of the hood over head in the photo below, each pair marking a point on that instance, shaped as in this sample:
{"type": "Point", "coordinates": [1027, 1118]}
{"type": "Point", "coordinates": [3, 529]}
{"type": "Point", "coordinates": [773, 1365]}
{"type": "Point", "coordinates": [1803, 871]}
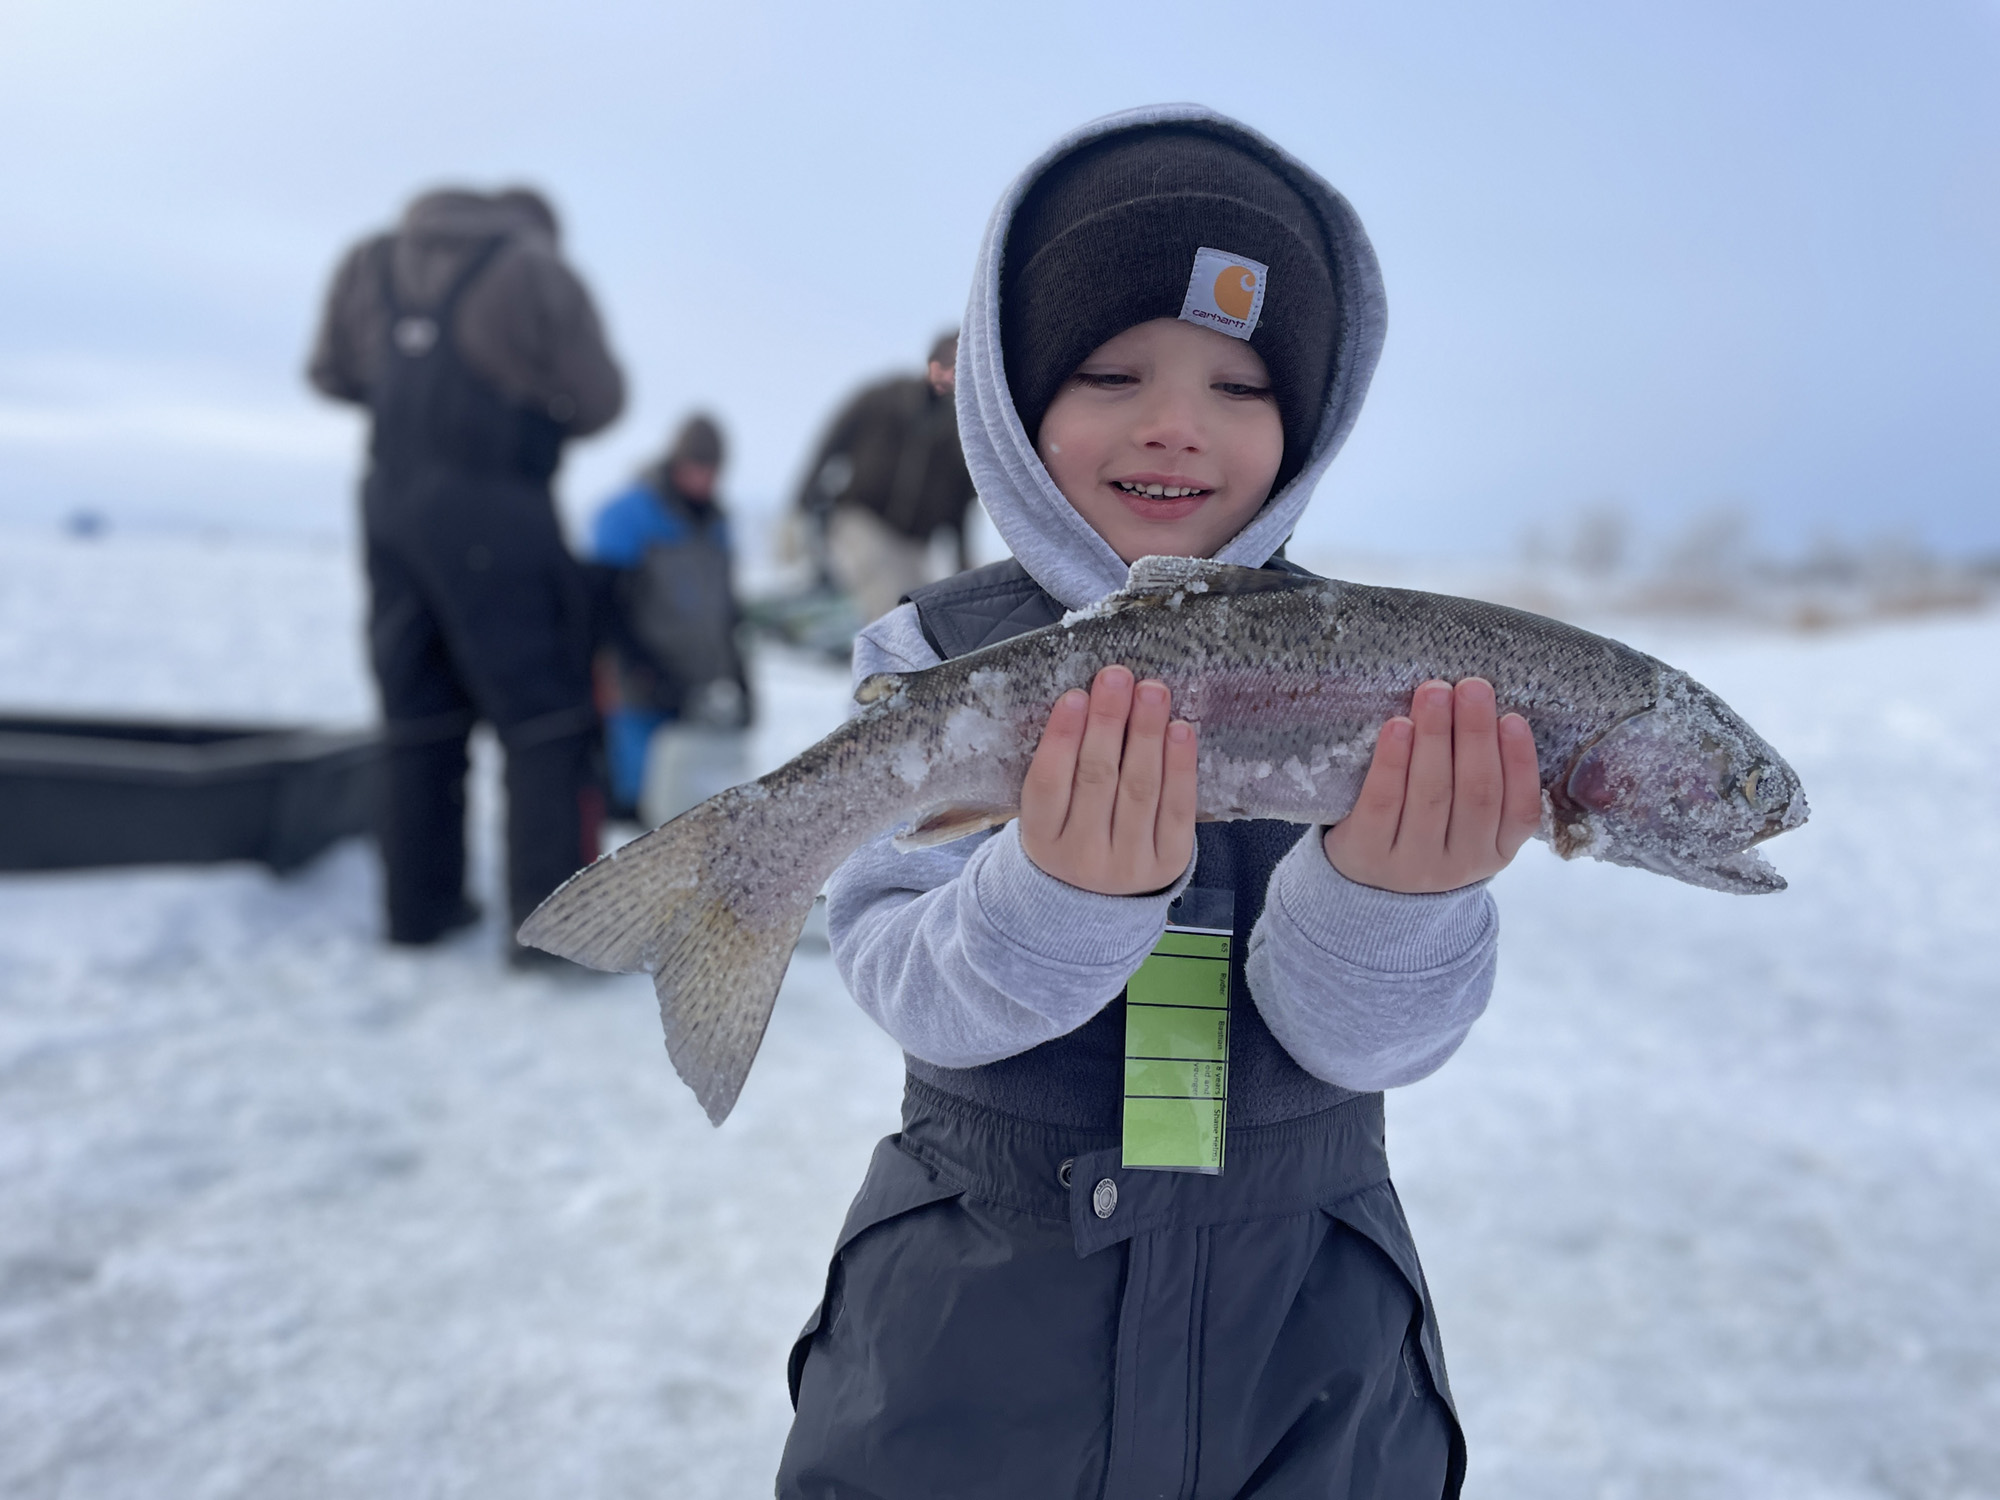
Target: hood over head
{"type": "Point", "coordinates": [1055, 544]}
{"type": "Point", "coordinates": [460, 213]}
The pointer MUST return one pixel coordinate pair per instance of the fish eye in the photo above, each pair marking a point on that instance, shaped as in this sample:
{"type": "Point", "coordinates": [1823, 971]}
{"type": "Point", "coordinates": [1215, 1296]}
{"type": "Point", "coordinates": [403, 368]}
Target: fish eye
{"type": "Point", "coordinates": [1750, 785]}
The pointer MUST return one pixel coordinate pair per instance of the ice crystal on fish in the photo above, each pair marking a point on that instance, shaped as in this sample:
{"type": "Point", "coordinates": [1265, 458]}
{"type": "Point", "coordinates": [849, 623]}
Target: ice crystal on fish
{"type": "Point", "coordinates": [968, 732]}
{"type": "Point", "coordinates": [911, 763]}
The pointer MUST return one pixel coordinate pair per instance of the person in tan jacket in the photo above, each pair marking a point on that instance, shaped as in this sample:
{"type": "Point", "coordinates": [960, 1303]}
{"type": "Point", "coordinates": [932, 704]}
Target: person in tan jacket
{"type": "Point", "coordinates": [887, 478]}
{"type": "Point", "coordinates": [478, 355]}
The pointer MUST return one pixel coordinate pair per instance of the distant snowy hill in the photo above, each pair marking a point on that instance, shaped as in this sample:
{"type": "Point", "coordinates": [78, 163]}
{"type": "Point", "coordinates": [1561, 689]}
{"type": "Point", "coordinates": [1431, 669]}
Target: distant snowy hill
{"type": "Point", "coordinates": [1710, 1201]}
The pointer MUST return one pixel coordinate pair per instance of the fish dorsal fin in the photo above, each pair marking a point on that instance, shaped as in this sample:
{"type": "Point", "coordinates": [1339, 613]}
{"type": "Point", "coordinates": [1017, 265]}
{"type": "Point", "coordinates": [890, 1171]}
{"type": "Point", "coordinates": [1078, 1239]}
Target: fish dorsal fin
{"type": "Point", "coordinates": [1152, 577]}
{"type": "Point", "coordinates": [1155, 577]}
{"type": "Point", "coordinates": [1165, 575]}
{"type": "Point", "coordinates": [1154, 581]}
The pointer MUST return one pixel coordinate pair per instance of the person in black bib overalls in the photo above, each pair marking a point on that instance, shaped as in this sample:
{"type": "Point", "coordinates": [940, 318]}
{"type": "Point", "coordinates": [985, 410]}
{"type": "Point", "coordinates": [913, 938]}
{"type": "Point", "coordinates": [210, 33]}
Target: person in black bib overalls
{"type": "Point", "coordinates": [1137, 1237]}
{"type": "Point", "coordinates": [477, 355]}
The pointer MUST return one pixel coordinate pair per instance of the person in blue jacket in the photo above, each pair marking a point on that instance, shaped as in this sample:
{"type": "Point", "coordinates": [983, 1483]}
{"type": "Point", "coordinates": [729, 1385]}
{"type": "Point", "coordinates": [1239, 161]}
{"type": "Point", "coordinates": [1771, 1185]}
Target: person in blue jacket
{"type": "Point", "coordinates": [665, 540]}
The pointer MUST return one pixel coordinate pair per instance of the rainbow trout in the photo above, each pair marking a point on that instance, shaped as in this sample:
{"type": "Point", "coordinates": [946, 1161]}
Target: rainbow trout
{"type": "Point", "coordinates": [1289, 679]}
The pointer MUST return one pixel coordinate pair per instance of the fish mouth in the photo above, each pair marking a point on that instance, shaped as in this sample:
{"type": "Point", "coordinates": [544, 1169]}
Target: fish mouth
{"type": "Point", "coordinates": [1795, 814]}
{"type": "Point", "coordinates": [1744, 873]}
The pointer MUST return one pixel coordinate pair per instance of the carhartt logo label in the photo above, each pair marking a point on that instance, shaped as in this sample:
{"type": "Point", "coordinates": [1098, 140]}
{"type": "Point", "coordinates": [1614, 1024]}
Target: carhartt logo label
{"type": "Point", "coordinates": [1225, 292]}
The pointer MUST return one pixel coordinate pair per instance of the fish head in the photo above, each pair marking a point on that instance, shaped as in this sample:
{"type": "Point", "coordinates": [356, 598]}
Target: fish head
{"type": "Point", "coordinates": [1684, 788]}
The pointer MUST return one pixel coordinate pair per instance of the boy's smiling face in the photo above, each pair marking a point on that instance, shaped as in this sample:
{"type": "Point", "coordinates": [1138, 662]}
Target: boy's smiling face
{"type": "Point", "coordinates": [1166, 439]}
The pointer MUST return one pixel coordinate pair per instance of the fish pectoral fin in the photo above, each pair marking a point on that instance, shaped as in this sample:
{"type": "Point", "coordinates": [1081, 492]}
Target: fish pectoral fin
{"type": "Point", "coordinates": [944, 824]}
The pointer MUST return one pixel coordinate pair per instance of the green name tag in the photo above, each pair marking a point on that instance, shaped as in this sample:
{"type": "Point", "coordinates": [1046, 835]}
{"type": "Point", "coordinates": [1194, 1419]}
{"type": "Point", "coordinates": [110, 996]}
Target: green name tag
{"type": "Point", "coordinates": [1177, 1040]}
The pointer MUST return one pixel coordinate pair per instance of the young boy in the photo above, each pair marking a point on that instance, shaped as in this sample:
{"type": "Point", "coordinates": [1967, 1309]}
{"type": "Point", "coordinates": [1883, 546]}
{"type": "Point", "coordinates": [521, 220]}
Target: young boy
{"type": "Point", "coordinates": [1171, 330]}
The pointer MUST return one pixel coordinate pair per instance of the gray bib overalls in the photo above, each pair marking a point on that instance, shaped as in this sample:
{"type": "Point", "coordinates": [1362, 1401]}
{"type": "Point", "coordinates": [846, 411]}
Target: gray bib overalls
{"type": "Point", "coordinates": [1011, 1313]}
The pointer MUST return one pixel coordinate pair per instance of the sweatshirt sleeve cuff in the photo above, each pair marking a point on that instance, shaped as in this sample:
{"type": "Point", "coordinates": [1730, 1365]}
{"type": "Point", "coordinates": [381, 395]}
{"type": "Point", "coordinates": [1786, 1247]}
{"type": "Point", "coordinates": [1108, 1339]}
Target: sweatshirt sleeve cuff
{"type": "Point", "coordinates": [1385, 931]}
{"type": "Point", "coordinates": [1021, 914]}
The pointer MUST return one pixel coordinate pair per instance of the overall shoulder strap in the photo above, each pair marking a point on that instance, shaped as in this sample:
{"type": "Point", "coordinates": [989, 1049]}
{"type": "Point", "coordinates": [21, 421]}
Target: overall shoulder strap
{"type": "Point", "coordinates": [442, 309]}
{"type": "Point", "coordinates": [977, 608]}
{"type": "Point", "coordinates": [475, 263]}
{"type": "Point", "coordinates": [385, 276]}
{"type": "Point", "coordinates": [1283, 564]}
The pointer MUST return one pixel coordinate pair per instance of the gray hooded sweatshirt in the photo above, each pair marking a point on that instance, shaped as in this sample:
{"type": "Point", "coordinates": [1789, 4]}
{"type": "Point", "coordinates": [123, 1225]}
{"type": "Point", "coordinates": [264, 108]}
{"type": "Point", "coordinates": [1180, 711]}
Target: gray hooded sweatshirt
{"type": "Point", "coordinates": [968, 952]}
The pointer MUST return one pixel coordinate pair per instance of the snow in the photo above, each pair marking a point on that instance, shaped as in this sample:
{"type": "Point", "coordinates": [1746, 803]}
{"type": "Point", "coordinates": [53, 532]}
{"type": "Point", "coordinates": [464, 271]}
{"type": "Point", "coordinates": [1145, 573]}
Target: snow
{"type": "Point", "coordinates": [1710, 1201]}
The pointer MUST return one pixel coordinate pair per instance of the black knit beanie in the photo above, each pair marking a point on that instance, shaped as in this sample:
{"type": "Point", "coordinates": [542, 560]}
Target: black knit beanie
{"type": "Point", "coordinates": [699, 441]}
{"type": "Point", "coordinates": [1107, 238]}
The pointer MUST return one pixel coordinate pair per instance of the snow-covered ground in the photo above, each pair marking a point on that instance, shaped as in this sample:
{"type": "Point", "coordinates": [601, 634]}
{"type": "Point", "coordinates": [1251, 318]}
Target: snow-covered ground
{"type": "Point", "coordinates": [1710, 1201]}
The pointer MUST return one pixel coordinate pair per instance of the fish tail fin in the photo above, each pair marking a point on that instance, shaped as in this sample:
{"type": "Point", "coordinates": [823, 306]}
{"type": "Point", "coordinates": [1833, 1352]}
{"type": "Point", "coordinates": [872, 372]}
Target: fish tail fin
{"type": "Point", "coordinates": [710, 904]}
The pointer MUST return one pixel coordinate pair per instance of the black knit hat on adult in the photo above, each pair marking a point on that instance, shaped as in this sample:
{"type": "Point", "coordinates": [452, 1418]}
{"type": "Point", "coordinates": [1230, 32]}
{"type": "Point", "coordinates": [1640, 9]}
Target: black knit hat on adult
{"type": "Point", "coordinates": [699, 441]}
{"type": "Point", "coordinates": [1107, 239]}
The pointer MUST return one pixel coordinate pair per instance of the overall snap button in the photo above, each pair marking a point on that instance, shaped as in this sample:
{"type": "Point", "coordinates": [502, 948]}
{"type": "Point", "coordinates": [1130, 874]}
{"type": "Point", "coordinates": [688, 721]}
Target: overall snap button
{"type": "Point", "coordinates": [1104, 1198]}
{"type": "Point", "coordinates": [1063, 1171]}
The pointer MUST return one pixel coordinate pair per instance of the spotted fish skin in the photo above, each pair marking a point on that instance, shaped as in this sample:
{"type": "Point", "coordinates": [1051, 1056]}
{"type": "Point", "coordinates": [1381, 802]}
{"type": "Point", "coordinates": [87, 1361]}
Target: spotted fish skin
{"type": "Point", "coordinates": [1289, 679]}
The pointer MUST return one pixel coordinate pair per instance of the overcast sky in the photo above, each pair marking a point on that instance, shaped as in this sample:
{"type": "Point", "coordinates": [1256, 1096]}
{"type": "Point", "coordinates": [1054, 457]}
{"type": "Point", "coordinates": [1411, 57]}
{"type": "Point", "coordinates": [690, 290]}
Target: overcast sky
{"type": "Point", "coordinates": [1670, 257]}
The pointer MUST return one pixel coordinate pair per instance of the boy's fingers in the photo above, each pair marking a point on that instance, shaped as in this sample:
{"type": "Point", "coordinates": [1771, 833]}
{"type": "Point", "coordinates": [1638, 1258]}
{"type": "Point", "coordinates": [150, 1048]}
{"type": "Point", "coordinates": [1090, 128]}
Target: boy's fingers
{"type": "Point", "coordinates": [1097, 759]}
{"type": "Point", "coordinates": [1179, 792]}
{"type": "Point", "coordinates": [1136, 808]}
{"type": "Point", "coordinates": [1476, 784]}
{"type": "Point", "coordinates": [1427, 801]}
{"type": "Point", "coordinates": [1379, 807]}
{"type": "Point", "coordinates": [1521, 813]}
{"type": "Point", "coordinates": [1045, 793]}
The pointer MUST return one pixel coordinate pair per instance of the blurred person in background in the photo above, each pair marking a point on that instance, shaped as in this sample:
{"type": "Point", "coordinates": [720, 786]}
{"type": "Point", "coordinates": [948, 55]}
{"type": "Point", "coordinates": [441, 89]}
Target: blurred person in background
{"type": "Point", "coordinates": [675, 660]}
{"type": "Point", "coordinates": [887, 479]}
{"type": "Point", "coordinates": [478, 355]}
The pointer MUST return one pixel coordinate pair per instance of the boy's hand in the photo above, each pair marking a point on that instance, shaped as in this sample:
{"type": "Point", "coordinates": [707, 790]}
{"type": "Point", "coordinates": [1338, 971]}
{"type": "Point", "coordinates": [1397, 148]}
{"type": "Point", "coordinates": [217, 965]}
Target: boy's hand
{"type": "Point", "coordinates": [1108, 804]}
{"type": "Point", "coordinates": [1450, 796]}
